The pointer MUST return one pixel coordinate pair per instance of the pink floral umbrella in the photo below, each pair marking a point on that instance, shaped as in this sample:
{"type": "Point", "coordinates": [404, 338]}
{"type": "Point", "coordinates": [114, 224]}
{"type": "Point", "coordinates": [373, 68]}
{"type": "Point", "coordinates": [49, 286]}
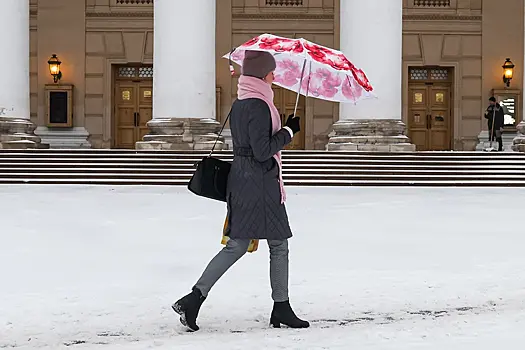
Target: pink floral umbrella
{"type": "Point", "coordinates": [309, 69]}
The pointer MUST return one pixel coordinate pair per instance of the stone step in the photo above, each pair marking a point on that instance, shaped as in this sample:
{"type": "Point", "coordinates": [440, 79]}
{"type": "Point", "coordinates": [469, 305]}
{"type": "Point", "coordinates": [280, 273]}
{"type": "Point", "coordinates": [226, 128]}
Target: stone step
{"type": "Point", "coordinates": [286, 162]}
{"type": "Point", "coordinates": [302, 182]}
{"type": "Point", "coordinates": [286, 166]}
{"type": "Point", "coordinates": [98, 152]}
{"type": "Point", "coordinates": [287, 171]}
{"type": "Point", "coordinates": [301, 168]}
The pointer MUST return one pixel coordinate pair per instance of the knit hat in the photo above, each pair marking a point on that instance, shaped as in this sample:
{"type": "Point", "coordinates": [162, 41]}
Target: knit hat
{"type": "Point", "coordinates": [258, 63]}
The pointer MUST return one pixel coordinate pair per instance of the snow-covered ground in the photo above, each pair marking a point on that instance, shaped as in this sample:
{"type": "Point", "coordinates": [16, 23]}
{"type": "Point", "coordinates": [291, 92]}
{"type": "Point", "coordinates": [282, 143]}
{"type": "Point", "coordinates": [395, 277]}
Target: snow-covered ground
{"type": "Point", "coordinates": [372, 268]}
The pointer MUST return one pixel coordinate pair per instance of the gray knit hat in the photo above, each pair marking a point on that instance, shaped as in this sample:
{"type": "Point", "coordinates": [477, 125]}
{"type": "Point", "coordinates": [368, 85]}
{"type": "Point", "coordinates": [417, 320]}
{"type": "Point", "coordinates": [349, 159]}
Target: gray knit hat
{"type": "Point", "coordinates": [258, 63]}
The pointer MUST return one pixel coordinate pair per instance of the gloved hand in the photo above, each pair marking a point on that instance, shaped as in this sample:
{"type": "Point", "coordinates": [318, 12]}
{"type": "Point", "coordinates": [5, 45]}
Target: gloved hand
{"type": "Point", "coordinates": [293, 123]}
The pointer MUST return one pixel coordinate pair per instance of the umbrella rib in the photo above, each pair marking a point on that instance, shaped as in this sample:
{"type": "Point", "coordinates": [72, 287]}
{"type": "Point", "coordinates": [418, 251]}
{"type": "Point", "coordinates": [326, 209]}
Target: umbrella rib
{"type": "Point", "coordinates": [350, 85]}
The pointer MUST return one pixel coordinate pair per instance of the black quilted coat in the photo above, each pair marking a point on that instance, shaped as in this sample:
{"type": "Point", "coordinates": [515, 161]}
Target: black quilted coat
{"type": "Point", "coordinates": [254, 198]}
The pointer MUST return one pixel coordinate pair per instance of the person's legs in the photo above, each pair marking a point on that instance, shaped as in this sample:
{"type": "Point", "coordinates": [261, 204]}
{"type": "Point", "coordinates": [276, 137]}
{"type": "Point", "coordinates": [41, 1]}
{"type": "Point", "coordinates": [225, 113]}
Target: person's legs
{"type": "Point", "coordinates": [499, 138]}
{"type": "Point", "coordinates": [188, 306]}
{"type": "Point", "coordinates": [279, 269]}
{"type": "Point", "coordinates": [282, 312]}
{"type": "Point", "coordinates": [233, 251]}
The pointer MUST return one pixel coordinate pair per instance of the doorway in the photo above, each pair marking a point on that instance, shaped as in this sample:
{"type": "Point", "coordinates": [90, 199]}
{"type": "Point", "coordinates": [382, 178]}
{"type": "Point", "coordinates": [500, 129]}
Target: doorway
{"type": "Point", "coordinates": [284, 100]}
{"type": "Point", "coordinates": [133, 104]}
{"type": "Point", "coordinates": [430, 108]}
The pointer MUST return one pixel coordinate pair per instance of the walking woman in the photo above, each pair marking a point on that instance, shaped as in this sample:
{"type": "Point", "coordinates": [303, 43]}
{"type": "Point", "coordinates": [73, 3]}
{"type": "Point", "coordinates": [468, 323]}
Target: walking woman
{"type": "Point", "coordinates": [255, 192]}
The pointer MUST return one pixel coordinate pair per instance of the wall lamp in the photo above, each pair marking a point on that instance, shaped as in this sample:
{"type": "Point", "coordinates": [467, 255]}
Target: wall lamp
{"type": "Point", "coordinates": [54, 68]}
{"type": "Point", "coordinates": [508, 71]}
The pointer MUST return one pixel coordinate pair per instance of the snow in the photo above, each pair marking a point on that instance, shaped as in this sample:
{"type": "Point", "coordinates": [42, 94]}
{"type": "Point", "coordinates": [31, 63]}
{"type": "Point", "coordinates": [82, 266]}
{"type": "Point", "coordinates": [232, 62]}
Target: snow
{"type": "Point", "coordinates": [97, 267]}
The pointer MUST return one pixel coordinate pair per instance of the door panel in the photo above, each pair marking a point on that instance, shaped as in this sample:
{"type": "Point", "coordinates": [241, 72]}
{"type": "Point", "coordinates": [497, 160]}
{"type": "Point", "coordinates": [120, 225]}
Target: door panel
{"type": "Point", "coordinates": [290, 98]}
{"type": "Point", "coordinates": [417, 116]}
{"type": "Point", "coordinates": [440, 119]}
{"type": "Point", "coordinates": [285, 100]}
{"type": "Point", "coordinates": [126, 97]}
{"type": "Point", "coordinates": [145, 109]}
{"type": "Point", "coordinates": [439, 140]}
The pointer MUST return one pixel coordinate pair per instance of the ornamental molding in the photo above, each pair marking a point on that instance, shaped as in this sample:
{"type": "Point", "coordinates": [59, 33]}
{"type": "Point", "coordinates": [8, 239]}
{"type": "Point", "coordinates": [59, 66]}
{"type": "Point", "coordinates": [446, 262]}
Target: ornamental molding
{"type": "Point", "coordinates": [267, 16]}
{"type": "Point", "coordinates": [438, 17]}
{"type": "Point", "coordinates": [278, 16]}
{"type": "Point", "coordinates": [120, 14]}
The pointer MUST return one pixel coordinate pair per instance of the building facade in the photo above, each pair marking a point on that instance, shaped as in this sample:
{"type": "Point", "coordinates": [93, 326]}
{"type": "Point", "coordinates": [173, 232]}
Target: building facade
{"type": "Point", "coordinates": [435, 62]}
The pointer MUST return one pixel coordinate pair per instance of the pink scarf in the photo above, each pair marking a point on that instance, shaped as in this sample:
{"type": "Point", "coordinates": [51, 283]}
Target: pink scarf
{"type": "Point", "coordinates": [250, 87]}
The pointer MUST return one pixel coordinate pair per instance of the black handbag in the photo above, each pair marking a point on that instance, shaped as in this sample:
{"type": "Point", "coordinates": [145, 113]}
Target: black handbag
{"type": "Point", "coordinates": [210, 179]}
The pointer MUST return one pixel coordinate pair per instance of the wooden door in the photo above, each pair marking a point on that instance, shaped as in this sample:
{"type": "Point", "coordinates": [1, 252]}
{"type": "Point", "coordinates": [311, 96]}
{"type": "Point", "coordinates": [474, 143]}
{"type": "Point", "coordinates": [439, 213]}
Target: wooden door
{"type": "Point", "coordinates": [417, 116]}
{"type": "Point", "coordinates": [439, 118]}
{"type": "Point", "coordinates": [133, 109]}
{"type": "Point", "coordinates": [429, 116]}
{"type": "Point", "coordinates": [144, 108]}
{"type": "Point", "coordinates": [285, 100]}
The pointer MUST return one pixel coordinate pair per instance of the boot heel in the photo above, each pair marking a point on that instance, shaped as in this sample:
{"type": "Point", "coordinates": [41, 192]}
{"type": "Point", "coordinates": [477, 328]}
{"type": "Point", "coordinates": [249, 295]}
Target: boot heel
{"type": "Point", "coordinates": [275, 323]}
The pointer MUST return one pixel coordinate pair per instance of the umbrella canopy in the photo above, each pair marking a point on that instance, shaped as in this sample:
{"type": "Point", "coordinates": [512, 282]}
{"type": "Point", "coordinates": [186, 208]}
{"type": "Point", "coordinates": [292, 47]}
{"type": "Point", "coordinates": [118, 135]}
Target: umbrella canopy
{"type": "Point", "coordinates": [309, 69]}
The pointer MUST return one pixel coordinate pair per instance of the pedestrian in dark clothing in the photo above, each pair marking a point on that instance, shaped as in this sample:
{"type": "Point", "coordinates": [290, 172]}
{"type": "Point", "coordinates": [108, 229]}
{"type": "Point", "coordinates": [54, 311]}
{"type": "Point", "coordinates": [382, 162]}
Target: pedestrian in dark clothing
{"type": "Point", "coordinates": [495, 120]}
{"type": "Point", "coordinates": [255, 194]}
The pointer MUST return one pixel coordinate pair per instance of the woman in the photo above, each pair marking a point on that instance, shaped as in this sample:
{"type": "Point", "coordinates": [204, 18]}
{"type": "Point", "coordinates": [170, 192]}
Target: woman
{"type": "Point", "coordinates": [255, 192]}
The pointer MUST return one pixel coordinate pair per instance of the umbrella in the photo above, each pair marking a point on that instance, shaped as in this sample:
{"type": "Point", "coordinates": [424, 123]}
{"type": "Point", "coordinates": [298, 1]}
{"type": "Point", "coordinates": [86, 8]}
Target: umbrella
{"type": "Point", "coordinates": [309, 69]}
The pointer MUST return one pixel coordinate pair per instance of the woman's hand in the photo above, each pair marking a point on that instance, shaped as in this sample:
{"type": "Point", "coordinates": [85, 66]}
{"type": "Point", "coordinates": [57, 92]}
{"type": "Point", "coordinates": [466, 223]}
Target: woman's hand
{"type": "Point", "coordinates": [293, 123]}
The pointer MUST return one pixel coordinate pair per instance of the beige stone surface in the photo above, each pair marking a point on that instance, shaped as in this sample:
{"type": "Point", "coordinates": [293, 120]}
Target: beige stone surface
{"type": "Point", "coordinates": [370, 135]}
{"type": "Point", "coordinates": [518, 144]}
{"type": "Point", "coordinates": [18, 133]}
{"type": "Point", "coordinates": [102, 34]}
{"type": "Point", "coordinates": [182, 134]}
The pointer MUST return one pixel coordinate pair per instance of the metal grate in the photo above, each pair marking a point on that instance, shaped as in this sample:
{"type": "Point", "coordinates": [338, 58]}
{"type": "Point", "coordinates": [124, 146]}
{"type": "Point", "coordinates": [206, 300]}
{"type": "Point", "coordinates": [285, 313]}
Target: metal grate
{"type": "Point", "coordinates": [134, 2]}
{"type": "Point", "coordinates": [418, 74]}
{"type": "Point", "coordinates": [429, 73]}
{"type": "Point", "coordinates": [135, 72]}
{"type": "Point", "coordinates": [284, 2]}
{"type": "Point", "coordinates": [146, 72]}
{"type": "Point", "coordinates": [431, 3]}
{"type": "Point", "coordinates": [439, 74]}
{"type": "Point", "coordinates": [127, 72]}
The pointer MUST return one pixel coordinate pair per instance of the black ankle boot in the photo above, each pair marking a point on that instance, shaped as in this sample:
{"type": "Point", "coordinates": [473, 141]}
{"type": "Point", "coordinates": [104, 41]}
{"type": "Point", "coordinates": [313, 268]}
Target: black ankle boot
{"type": "Point", "coordinates": [282, 313]}
{"type": "Point", "coordinates": [188, 308]}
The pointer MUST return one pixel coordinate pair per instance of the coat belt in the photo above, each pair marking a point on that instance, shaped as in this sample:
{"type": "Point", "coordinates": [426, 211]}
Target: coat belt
{"type": "Point", "coordinates": [242, 151]}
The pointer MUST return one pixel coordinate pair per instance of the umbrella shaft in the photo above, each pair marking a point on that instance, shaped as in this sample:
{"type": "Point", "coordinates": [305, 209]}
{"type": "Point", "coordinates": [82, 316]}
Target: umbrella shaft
{"type": "Point", "coordinates": [299, 92]}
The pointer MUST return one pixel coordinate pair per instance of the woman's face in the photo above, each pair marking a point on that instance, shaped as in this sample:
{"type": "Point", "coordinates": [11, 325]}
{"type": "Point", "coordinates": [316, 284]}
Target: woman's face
{"type": "Point", "coordinates": [269, 78]}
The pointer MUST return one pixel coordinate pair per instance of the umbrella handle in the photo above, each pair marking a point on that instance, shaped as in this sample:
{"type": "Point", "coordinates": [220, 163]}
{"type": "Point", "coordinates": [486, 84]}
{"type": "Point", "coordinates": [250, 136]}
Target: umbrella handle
{"type": "Point", "coordinates": [299, 92]}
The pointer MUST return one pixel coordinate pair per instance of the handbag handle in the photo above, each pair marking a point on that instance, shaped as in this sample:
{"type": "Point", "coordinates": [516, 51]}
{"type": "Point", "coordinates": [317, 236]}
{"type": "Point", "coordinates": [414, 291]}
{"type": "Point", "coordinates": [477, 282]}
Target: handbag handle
{"type": "Point", "coordinates": [232, 70]}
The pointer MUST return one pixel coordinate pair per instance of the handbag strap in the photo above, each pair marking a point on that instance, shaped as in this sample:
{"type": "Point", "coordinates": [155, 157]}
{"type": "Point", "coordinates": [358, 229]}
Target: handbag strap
{"type": "Point", "coordinates": [232, 71]}
{"type": "Point", "coordinates": [220, 133]}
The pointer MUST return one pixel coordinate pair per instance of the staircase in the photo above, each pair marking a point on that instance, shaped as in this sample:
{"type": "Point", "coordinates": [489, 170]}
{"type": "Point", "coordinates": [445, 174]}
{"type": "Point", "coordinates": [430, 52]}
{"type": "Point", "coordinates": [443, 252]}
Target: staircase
{"type": "Point", "coordinates": [301, 168]}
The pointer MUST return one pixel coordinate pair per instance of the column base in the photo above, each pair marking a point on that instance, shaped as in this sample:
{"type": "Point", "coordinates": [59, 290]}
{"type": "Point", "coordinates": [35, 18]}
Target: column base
{"type": "Point", "coordinates": [61, 138]}
{"type": "Point", "coordinates": [182, 134]}
{"type": "Point", "coordinates": [19, 133]}
{"type": "Point", "coordinates": [518, 144]}
{"type": "Point", "coordinates": [369, 135]}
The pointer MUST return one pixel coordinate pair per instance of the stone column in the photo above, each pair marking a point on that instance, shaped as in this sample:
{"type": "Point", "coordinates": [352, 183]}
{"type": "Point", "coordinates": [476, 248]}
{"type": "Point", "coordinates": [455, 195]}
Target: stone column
{"type": "Point", "coordinates": [16, 129]}
{"type": "Point", "coordinates": [183, 77]}
{"type": "Point", "coordinates": [518, 144]}
{"type": "Point", "coordinates": [372, 38]}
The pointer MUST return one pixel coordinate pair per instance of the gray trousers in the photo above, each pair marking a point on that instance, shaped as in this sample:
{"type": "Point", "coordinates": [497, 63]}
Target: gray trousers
{"type": "Point", "coordinates": [233, 251]}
